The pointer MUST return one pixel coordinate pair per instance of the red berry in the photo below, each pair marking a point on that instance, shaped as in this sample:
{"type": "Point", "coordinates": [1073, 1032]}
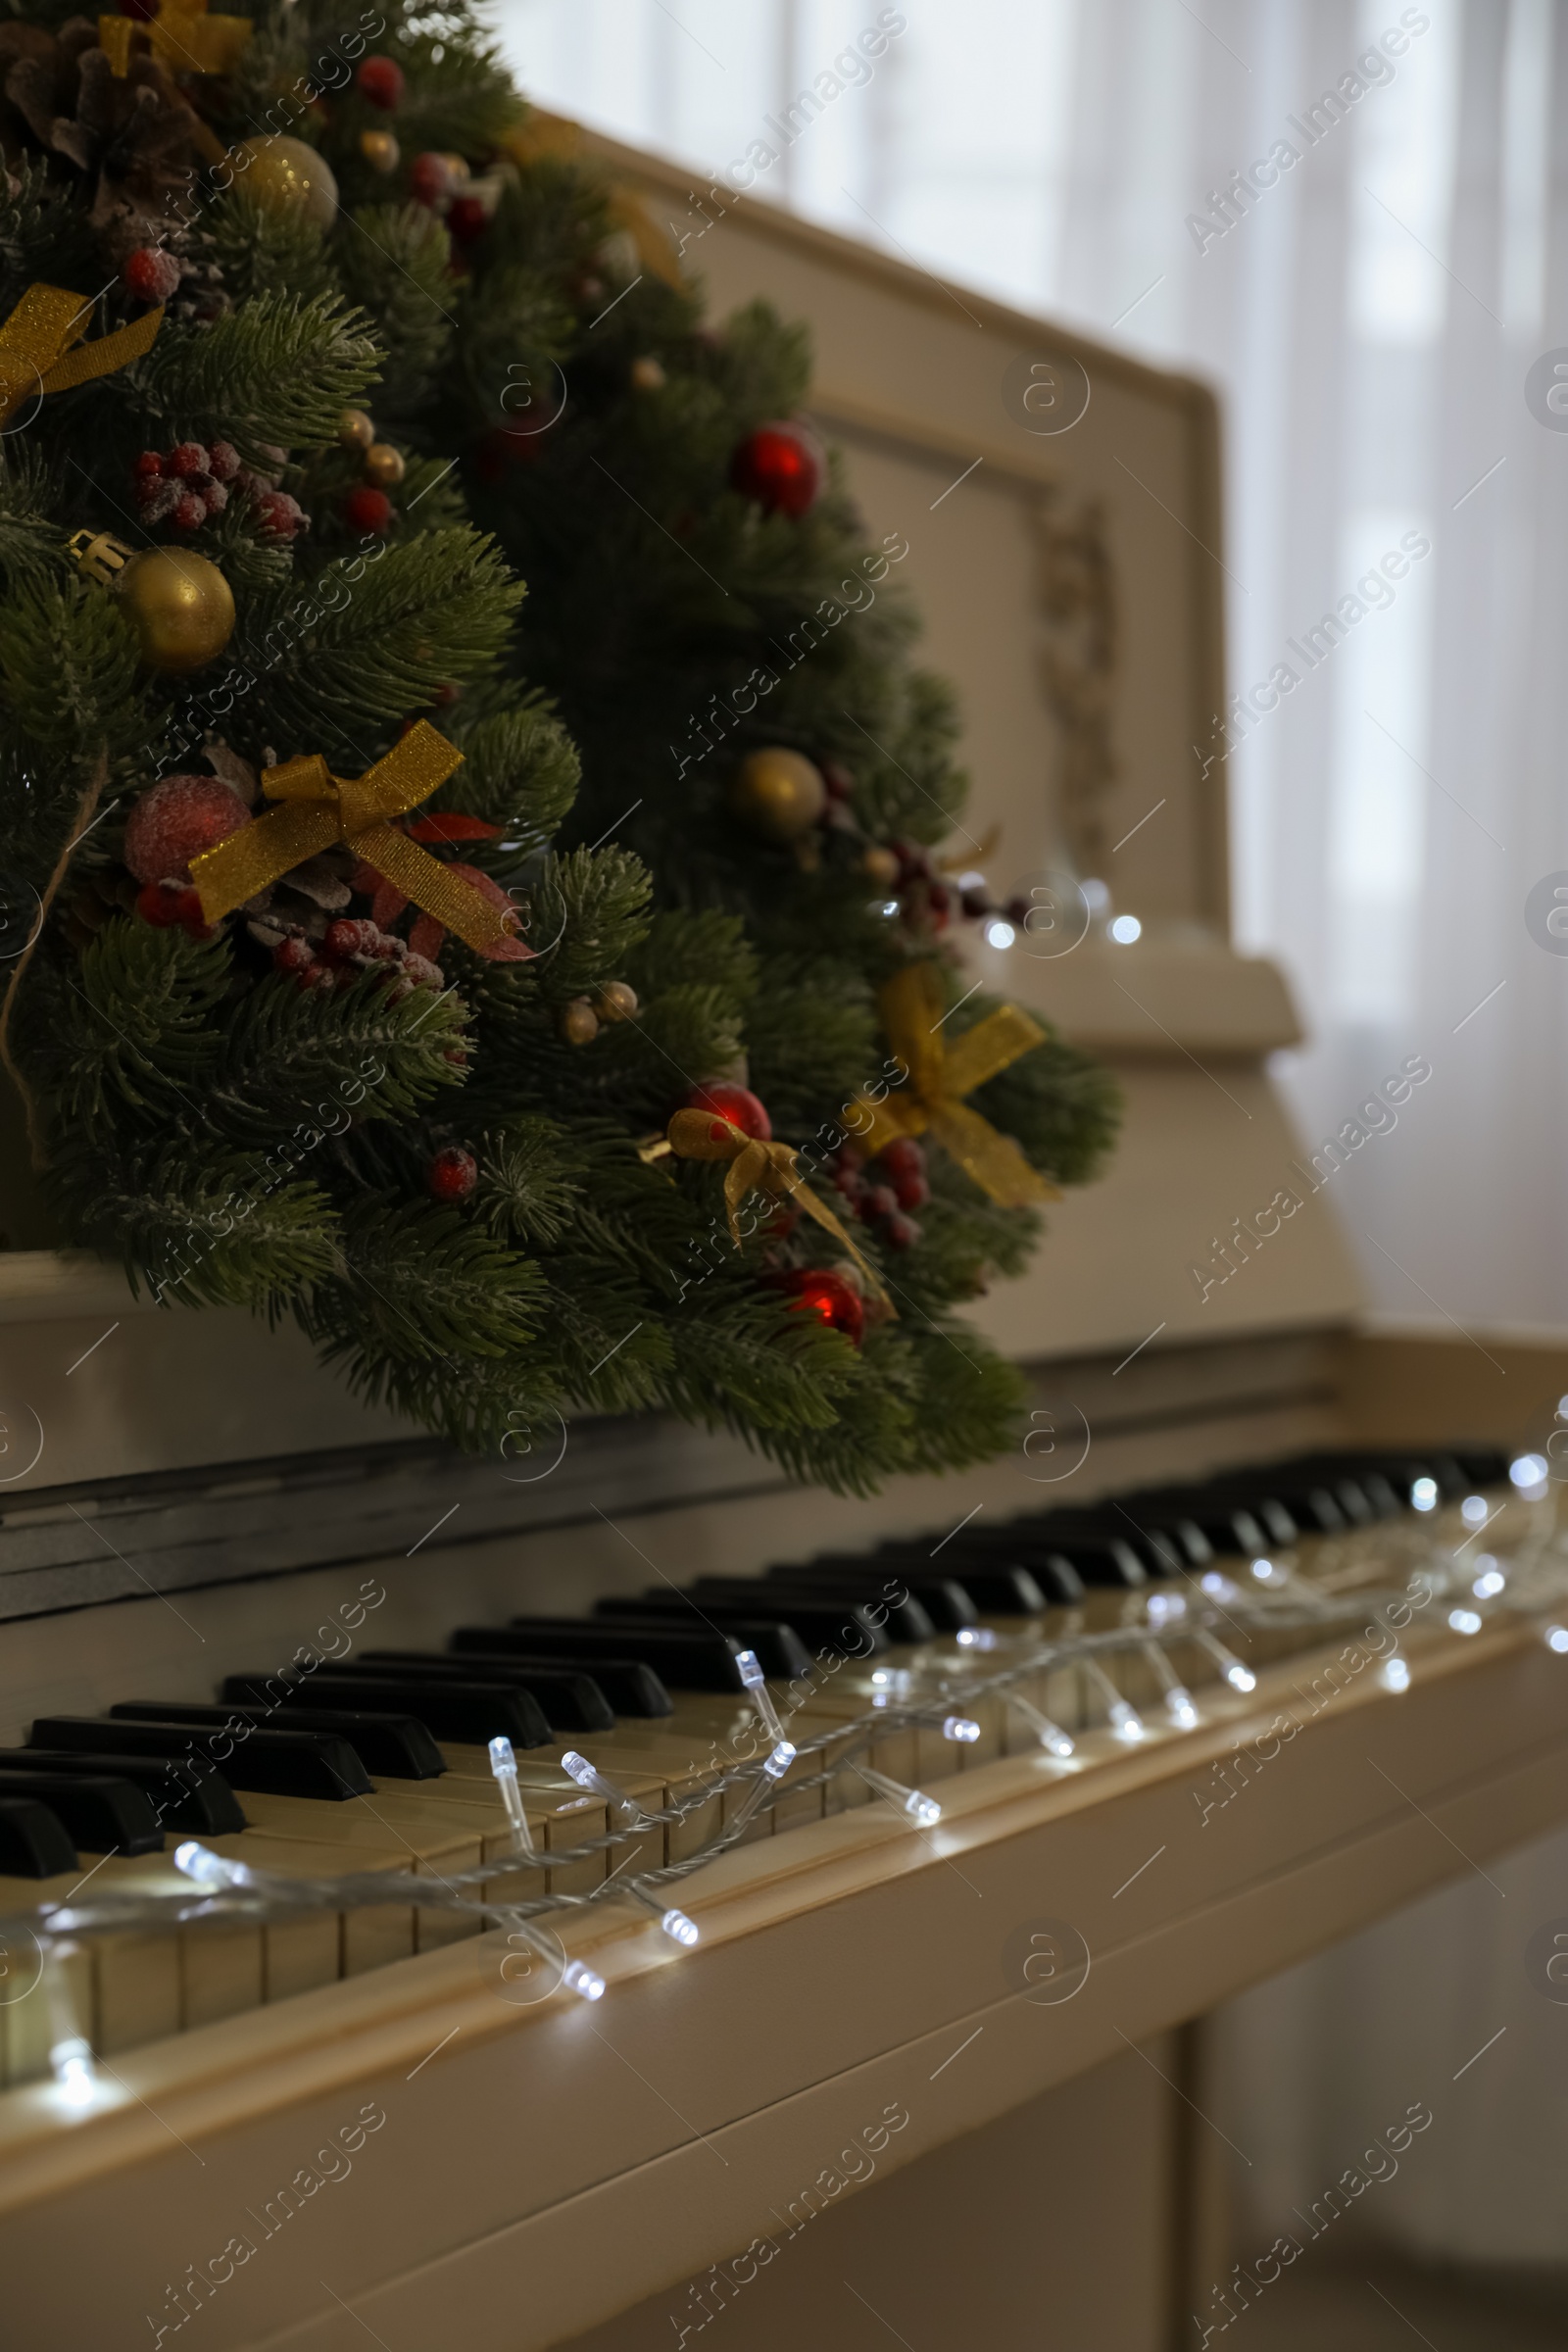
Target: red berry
{"type": "Point", "coordinates": [780, 468]}
{"type": "Point", "coordinates": [165, 904]}
{"type": "Point", "coordinates": [881, 1200]}
{"type": "Point", "coordinates": [452, 1175]}
{"type": "Point", "coordinates": [817, 1291]}
{"type": "Point", "coordinates": [420, 972]}
{"type": "Point", "coordinates": [468, 219]}
{"type": "Point", "coordinates": [849, 1155]}
{"type": "Point", "coordinates": [838, 779]}
{"type": "Point", "coordinates": [429, 178]}
{"type": "Point", "coordinates": [380, 80]}
{"type": "Point", "coordinates": [279, 516]}
{"type": "Point", "coordinates": [736, 1104]}
{"type": "Point", "coordinates": [175, 821]}
{"type": "Point", "coordinates": [149, 467]}
{"type": "Point", "coordinates": [293, 955]}
{"type": "Point", "coordinates": [186, 457]}
{"type": "Point", "coordinates": [912, 1191]}
{"type": "Point", "coordinates": [222, 461]}
{"type": "Point", "coordinates": [348, 937]}
{"type": "Point", "coordinates": [151, 274]}
{"type": "Point", "coordinates": [214, 496]}
{"type": "Point", "coordinates": [852, 1184]}
{"type": "Point", "coordinates": [902, 1157]}
{"type": "Point", "coordinates": [901, 1233]}
{"type": "Point", "coordinates": [189, 512]}
{"type": "Point", "coordinates": [368, 509]}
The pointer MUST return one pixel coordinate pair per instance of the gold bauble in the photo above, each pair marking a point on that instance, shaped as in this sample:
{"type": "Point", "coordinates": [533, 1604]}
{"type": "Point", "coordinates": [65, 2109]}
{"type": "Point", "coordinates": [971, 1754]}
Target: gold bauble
{"type": "Point", "coordinates": [647, 374]}
{"type": "Point", "coordinates": [284, 176]}
{"type": "Point", "coordinates": [181, 606]}
{"type": "Point", "coordinates": [617, 1000]}
{"type": "Point", "coordinates": [456, 169]}
{"type": "Point", "coordinates": [384, 466]}
{"type": "Point", "coordinates": [380, 150]}
{"type": "Point", "coordinates": [579, 1023]}
{"type": "Point", "coordinates": [778, 793]}
{"type": "Point", "coordinates": [355, 429]}
{"type": "Point", "coordinates": [880, 865]}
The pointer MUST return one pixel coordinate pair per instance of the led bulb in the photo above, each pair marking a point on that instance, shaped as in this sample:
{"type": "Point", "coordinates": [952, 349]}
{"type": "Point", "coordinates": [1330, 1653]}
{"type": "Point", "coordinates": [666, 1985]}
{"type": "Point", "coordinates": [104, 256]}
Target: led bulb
{"type": "Point", "coordinates": [1126, 1721]}
{"type": "Point", "coordinates": [751, 1671]}
{"type": "Point", "coordinates": [1466, 1621]}
{"type": "Point", "coordinates": [1240, 1677]}
{"type": "Point", "coordinates": [779, 1762]}
{"type": "Point", "coordinates": [1490, 1581]}
{"type": "Point", "coordinates": [578, 1769]}
{"type": "Point", "coordinates": [208, 1868]}
{"type": "Point", "coordinates": [1264, 1569]}
{"type": "Point", "coordinates": [1424, 1495]}
{"type": "Point", "coordinates": [71, 2064]}
{"type": "Point", "coordinates": [1179, 1704]}
{"type": "Point", "coordinates": [976, 1637]}
{"type": "Point", "coordinates": [578, 1976]}
{"type": "Point", "coordinates": [1473, 1511]}
{"type": "Point", "coordinates": [503, 1764]}
{"type": "Point", "coordinates": [1217, 1587]}
{"type": "Point", "coordinates": [922, 1809]}
{"type": "Point", "coordinates": [999, 934]}
{"type": "Point", "coordinates": [1528, 1472]}
{"type": "Point", "coordinates": [1555, 1638]}
{"type": "Point", "coordinates": [679, 1927]}
{"type": "Point", "coordinates": [1051, 1735]}
{"type": "Point", "coordinates": [1395, 1674]}
{"type": "Point", "coordinates": [1164, 1608]}
{"type": "Point", "coordinates": [960, 1728]}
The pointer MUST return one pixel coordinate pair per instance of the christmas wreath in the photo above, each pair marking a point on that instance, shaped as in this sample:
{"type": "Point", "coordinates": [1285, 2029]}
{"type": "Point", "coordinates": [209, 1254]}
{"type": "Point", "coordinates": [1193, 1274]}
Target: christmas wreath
{"type": "Point", "coordinates": [547, 999]}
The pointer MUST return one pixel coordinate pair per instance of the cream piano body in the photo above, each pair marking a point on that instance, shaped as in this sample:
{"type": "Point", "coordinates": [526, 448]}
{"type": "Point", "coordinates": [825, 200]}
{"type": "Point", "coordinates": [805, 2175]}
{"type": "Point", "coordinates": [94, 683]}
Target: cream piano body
{"type": "Point", "coordinates": [412, 2153]}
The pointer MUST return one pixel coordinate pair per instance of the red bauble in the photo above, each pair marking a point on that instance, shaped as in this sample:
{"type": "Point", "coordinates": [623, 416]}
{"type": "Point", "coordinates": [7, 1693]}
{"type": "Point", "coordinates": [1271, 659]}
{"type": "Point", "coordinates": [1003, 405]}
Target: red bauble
{"type": "Point", "coordinates": [367, 508]}
{"type": "Point", "coordinates": [452, 1175]}
{"type": "Point", "coordinates": [151, 274]}
{"type": "Point", "coordinates": [780, 468]}
{"type": "Point", "coordinates": [737, 1104]}
{"type": "Point", "coordinates": [175, 821]}
{"type": "Point", "coordinates": [429, 178]}
{"type": "Point", "coordinates": [467, 219]}
{"type": "Point", "coordinates": [380, 80]}
{"type": "Point", "coordinates": [820, 1292]}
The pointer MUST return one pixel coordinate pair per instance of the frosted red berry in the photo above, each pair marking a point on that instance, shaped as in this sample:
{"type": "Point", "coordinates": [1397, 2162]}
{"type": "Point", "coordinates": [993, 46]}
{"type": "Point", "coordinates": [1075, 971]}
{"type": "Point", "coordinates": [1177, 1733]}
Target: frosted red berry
{"type": "Point", "coordinates": [429, 178]}
{"type": "Point", "coordinates": [186, 457]}
{"type": "Point", "coordinates": [380, 80]}
{"type": "Point", "coordinates": [366, 509]}
{"type": "Point", "coordinates": [151, 274]}
{"type": "Point", "coordinates": [349, 936]}
{"type": "Point", "coordinates": [149, 467]}
{"type": "Point", "coordinates": [279, 516]}
{"type": "Point", "coordinates": [452, 1175]}
{"type": "Point", "coordinates": [222, 461]}
{"type": "Point", "coordinates": [175, 821]}
{"type": "Point", "coordinates": [293, 955]}
{"type": "Point", "coordinates": [902, 1157]}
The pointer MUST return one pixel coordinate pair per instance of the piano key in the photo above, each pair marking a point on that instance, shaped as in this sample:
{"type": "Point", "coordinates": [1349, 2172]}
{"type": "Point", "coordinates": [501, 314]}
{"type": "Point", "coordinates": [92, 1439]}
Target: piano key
{"type": "Point", "coordinates": [34, 1841]}
{"type": "Point", "coordinates": [881, 1599]}
{"type": "Point", "coordinates": [184, 1795]}
{"type": "Point", "coordinates": [840, 1628]}
{"type": "Point", "coordinates": [476, 1712]}
{"type": "Point", "coordinates": [316, 1764]}
{"type": "Point", "coordinates": [399, 1744]}
{"type": "Point", "coordinates": [692, 1661]}
{"type": "Point", "coordinates": [569, 1702]}
{"type": "Point", "coordinates": [607, 1682]}
{"type": "Point", "coordinates": [101, 1814]}
{"type": "Point", "coordinates": [945, 1599]}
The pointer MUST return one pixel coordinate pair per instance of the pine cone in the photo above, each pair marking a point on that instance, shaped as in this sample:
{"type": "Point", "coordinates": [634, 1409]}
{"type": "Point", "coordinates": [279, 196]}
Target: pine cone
{"type": "Point", "coordinates": [133, 135]}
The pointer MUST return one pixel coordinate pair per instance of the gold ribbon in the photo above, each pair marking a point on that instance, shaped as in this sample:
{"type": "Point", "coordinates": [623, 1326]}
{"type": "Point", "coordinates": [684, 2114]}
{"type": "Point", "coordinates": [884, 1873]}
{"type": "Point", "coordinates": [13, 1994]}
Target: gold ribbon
{"type": "Point", "coordinates": [940, 1076]}
{"type": "Point", "coordinates": [757, 1167]}
{"type": "Point", "coordinates": [320, 808]}
{"type": "Point", "coordinates": [182, 34]}
{"type": "Point", "coordinates": [37, 344]}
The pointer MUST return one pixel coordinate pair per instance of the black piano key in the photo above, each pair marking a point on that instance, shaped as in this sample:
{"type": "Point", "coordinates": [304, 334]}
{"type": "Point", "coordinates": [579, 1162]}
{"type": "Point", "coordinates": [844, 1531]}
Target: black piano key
{"type": "Point", "coordinates": [629, 1689]}
{"type": "Point", "coordinates": [699, 1660]}
{"type": "Point", "coordinates": [35, 1842]}
{"type": "Point", "coordinates": [570, 1701]}
{"type": "Point", "coordinates": [841, 1627]}
{"type": "Point", "coordinates": [184, 1795]}
{"type": "Point", "coordinates": [274, 1763]}
{"type": "Point", "coordinates": [999, 1586]}
{"type": "Point", "coordinates": [471, 1713]}
{"type": "Point", "coordinates": [398, 1747]}
{"type": "Point", "coordinates": [946, 1599]}
{"type": "Point", "coordinates": [888, 1598]}
{"type": "Point", "coordinates": [777, 1646]}
{"type": "Point", "coordinates": [104, 1815]}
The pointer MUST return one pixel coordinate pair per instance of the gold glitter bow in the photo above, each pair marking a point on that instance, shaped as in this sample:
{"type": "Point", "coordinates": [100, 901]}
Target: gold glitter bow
{"type": "Point", "coordinates": [940, 1076]}
{"type": "Point", "coordinates": [182, 34]}
{"type": "Point", "coordinates": [36, 345]}
{"type": "Point", "coordinates": [757, 1167]}
{"type": "Point", "coordinates": [320, 808]}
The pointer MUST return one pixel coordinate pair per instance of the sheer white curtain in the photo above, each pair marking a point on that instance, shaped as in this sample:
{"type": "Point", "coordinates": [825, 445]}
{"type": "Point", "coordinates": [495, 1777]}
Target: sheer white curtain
{"type": "Point", "coordinates": [1370, 317]}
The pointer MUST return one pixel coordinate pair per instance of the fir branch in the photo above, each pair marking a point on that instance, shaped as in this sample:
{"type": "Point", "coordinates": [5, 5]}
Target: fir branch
{"type": "Point", "coordinates": [276, 374]}
{"type": "Point", "coordinates": [293, 1057]}
{"type": "Point", "coordinates": [395, 262]}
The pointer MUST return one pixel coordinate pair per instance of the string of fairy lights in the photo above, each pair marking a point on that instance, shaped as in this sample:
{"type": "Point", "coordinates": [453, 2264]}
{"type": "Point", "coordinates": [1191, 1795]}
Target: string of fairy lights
{"type": "Point", "coordinates": [946, 1697]}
